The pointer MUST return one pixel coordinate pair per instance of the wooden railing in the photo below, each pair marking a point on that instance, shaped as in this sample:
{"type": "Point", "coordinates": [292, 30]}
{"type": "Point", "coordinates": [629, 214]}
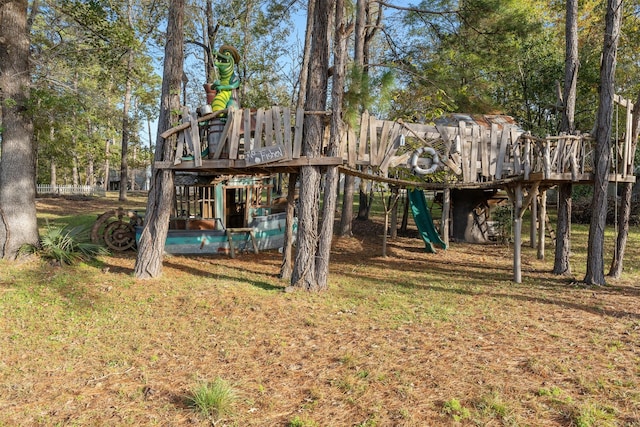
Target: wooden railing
{"type": "Point", "coordinates": [492, 148]}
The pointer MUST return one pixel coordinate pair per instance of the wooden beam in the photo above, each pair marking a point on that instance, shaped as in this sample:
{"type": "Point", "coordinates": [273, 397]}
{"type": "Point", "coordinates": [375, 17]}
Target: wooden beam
{"type": "Point", "coordinates": [167, 133]}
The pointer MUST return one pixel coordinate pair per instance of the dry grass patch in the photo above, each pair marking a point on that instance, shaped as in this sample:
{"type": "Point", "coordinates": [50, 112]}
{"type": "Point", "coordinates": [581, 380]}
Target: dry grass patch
{"type": "Point", "coordinates": [410, 340]}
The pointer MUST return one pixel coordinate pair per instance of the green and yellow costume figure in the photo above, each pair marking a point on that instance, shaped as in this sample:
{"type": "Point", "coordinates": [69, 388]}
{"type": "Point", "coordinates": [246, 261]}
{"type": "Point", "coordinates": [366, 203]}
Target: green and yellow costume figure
{"type": "Point", "coordinates": [226, 59]}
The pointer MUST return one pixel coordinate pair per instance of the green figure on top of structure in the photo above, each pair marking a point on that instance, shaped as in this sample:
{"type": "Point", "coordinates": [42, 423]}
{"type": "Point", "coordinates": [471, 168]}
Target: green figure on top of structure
{"type": "Point", "coordinates": [228, 80]}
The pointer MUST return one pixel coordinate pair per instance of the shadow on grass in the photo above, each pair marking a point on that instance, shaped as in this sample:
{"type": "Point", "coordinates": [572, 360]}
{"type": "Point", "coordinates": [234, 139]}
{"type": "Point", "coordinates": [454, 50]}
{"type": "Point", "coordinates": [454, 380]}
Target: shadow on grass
{"type": "Point", "coordinates": [175, 263]}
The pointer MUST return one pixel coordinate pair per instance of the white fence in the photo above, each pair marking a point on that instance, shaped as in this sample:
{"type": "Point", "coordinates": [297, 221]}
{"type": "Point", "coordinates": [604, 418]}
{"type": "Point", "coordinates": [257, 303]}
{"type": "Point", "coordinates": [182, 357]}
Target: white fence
{"type": "Point", "coordinates": [84, 190]}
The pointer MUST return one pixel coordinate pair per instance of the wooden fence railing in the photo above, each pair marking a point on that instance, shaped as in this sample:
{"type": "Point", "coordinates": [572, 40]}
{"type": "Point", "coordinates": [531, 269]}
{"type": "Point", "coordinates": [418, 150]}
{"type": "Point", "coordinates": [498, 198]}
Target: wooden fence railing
{"type": "Point", "coordinates": [83, 190]}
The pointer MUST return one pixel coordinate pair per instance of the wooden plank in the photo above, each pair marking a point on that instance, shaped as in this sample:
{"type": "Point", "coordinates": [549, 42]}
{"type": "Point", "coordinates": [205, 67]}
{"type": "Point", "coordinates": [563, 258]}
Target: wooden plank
{"type": "Point", "coordinates": [394, 144]}
{"type": "Point", "coordinates": [179, 148]}
{"type": "Point", "coordinates": [257, 134]}
{"type": "Point", "coordinates": [517, 155]}
{"type": "Point", "coordinates": [260, 156]}
{"type": "Point", "coordinates": [195, 140]}
{"type": "Point", "coordinates": [527, 158]}
{"type": "Point", "coordinates": [352, 142]}
{"type": "Point", "coordinates": [493, 149]}
{"type": "Point", "coordinates": [373, 140]}
{"type": "Point", "coordinates": [475, 142]}
{"type": "Point", "coordinates": [485, 150]}
{"type": "Point", "coordinates": [546, 159]}
{"type": "Point", "coordinates": [384, 140]}
{"type": "Point", "coordinates": [464, 151]}
{"type": "Point", "coordinates": [446, 136]}
{"type": "Point", "coordinates": [364, 131]}
{"type": "Point", "coordinates": [297, 136]}
{"type": "Point", "coordinates": [399, 160]}
{"type": "Point", "coordinates": [626, 166]}
{"type": "Point", "coordinates": [560, 158]}
{"type": "Point", "coordinates": [504, 141]}
{"type": "Point", "coordinates": [277, 125]}
{"type": "Point", "coordinates": [288, 147]}
{"type": "Point", "coordinates": [234, 138]}
{"type": "Point", "coordinates": [248, 143]}
{"type": "Point", "coordinates": [223, 136]}
{"type": "Point", "coordinates": [268, 128]}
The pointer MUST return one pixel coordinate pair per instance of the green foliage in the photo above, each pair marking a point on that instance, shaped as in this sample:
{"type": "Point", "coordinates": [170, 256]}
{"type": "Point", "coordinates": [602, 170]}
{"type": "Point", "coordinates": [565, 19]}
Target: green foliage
{"type": "Point", "coordinates": [298, 421]}
{"type": "Point", "coordinates": [455, 409]}
{"type": "Point", "coordinates": [592, 415]}
{"type": "Point", "coordinates": [367, 93]}
{"type": "Point", "coordinates": [66, 245]}
{"type": "Point", "coordinates": [503, 217]}
{"type": "Point", "coordinates": [213, 399]}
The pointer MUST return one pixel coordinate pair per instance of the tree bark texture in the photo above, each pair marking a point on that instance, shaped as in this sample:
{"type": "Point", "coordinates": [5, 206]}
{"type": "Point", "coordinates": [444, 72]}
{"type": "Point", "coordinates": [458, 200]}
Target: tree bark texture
{"type": "Point", "coordinates": [571, 66]}
{"type": "Point", "coordinates": [563, 230]}
{"type": "Point", "coordinates": [624, 210]}
{"type": "Point", "coordinates": [154, 234]}
{"type": "Point", "coordinates": [561, 263]}
{"type": "Point", "coordinates": [346, 217]}
{"type": "Point", "coordinates": [595, 250]}
{"type": "Point", "coordinates": [18, 224]}
{"type": "Point", "coordinates": [126, 125]}
{"type": "Point", "coordinates": [304, 269]}
{"type": "Point", "coordinates": [337, 129]}
{"type": "Point", "coordinates": [287, 252]}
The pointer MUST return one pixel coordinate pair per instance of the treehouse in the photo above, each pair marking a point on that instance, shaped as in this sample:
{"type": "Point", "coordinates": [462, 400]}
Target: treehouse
{"type": "Point", "coordinates": [474, 161]}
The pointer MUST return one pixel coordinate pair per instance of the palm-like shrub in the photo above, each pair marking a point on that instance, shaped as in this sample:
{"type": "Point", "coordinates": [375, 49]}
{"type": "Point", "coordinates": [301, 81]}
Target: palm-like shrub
{"type": "Point", "coordinates": [66, 245]}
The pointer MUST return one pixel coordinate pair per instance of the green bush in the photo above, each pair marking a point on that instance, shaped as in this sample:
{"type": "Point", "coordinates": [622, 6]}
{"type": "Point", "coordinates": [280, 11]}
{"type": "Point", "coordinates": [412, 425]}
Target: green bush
{"type": "Point", "coordinates": [65, 245]}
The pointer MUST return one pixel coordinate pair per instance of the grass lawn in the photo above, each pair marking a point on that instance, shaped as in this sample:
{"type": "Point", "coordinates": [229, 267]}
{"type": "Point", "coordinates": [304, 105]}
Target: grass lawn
{"type": "Point", "coordinates": [414, 339]}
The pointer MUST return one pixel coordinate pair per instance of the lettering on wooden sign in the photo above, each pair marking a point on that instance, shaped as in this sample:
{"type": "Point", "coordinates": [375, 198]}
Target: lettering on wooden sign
{"type": "Point", "coordinates": [262, 155]}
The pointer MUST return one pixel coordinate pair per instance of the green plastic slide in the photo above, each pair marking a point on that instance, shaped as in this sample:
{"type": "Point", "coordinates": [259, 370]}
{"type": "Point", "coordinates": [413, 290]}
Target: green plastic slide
{"type": "Point", "coordinates": [424, 221]}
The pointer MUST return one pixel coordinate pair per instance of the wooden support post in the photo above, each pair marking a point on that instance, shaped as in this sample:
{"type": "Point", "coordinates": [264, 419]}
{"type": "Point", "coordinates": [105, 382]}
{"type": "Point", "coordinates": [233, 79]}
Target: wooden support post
{"type": "Point", "coordinates": [446, 206]}
{"type": "Point", "coordinates": [542, 216]}
{"type": "Point", "coordinates": [517, 235]}
{"type": "Point", "coordinates": [231, 231]}
{"type": "Point", "coordinates": [232, 251]}
{"type": "Point", "coordinates": [533, 226]}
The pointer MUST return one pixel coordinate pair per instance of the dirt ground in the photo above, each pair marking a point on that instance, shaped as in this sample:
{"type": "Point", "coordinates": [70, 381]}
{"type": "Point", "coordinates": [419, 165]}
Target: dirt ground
{"type": "Point", "coordinates": [413, 339]}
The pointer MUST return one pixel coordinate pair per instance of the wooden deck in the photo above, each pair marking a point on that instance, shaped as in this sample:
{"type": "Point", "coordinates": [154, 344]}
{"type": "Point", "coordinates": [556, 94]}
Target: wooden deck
{"type": "Point", "coordinates": [478, 151]}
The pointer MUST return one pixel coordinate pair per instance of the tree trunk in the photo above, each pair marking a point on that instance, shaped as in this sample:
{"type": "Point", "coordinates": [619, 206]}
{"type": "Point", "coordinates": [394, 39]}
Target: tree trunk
{"type": "Point", "coordinates": [154, 234]}
{"type": "Point", "coordinates": [337, 129]}
{"type": "Point", "coordinates": [124, 168]}
{"type": "Point", "coordinates": [393, 227]}
{"type": "Point", "coordinates": [107, 166]}
{"type": "Point", "coordinates": [563, 229]}
{"type": "Point", "coordinates": [595, 250]}
{"type": "Point", "coordinates": [346, 217]}
{"type": "Point", "coordinates": [304, 269]}
{"type": "Point", "coordinates": [624, 212]}
{"type": "Point", "coordinates": [287, 252]}
{"type": "Point", "coordinates": [18, 225]}
{"type": "Point", "coordinates": [75, 176]}
{"type": "Point", "coordinates": [54, 175]}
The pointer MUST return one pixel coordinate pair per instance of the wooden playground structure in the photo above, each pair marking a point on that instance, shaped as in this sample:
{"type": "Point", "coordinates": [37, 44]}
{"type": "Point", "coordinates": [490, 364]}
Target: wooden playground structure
{"type": "Point", "coordinates": [458, 151]}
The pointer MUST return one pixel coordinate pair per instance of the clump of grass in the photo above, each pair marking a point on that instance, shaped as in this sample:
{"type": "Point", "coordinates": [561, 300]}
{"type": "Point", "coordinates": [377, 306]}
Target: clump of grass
{"type": "Point", "coordinates": [302, 422]}
{"type": "Point", "coordinates": [213, 399]}
{"type": "Point", "coordinates": [65, 245]}
{"type": "Point", "coordinates": [592, 415]}
{"type": "Point", "coordinates": [454, 408]}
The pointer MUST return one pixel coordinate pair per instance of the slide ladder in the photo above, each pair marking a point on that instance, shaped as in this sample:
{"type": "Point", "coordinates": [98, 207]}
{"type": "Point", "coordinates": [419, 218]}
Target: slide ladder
{"type": "Point", "coordinates": [424, 221]}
